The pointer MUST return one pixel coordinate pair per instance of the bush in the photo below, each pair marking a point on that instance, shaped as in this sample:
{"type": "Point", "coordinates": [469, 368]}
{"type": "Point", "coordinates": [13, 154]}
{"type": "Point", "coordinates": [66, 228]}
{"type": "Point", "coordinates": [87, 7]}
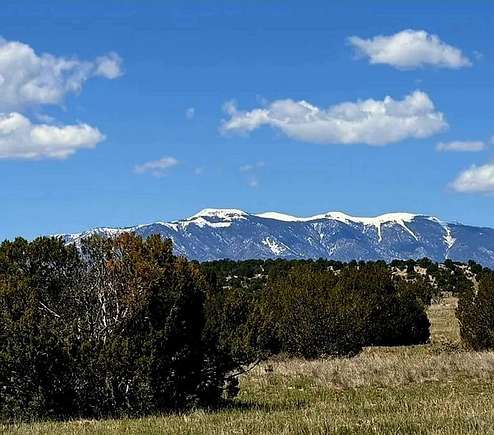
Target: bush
{"type": "Point", "coordinates": [114, 328]}
{"type": "Point", "coordinates": [420, 288]}
{"type": "Point", "coordinates": [476, 314]}
{"type": "Point", "coordinates": [314, 313]}
{"type": "Point", "coordinates": [383, 315]}
{"type": "Point", "coordinates": [236, 330]}
{"type": "Point", "coordinates": [304, 314]}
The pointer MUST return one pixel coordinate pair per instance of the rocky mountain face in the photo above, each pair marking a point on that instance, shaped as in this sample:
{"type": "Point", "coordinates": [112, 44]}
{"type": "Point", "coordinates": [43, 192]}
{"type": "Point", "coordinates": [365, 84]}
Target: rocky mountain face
{"type": "Point", "coordinates": [229, 233]}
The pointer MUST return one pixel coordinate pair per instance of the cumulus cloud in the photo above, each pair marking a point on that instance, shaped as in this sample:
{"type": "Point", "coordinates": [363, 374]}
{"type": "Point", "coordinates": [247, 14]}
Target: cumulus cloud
{"type": "Point", "coordinates": [372, 122]}
{"type": "Point", "coordinates": [458, 145]}
{"type": "Point", "coordinates": [21, 139]}
{"type": "Point", "coordinates": [410, 49]}
{"type": "Point", "coordinates": [475, 179]}
{"type": "Point", "coordinates": [31, 79]}
{"type": "Point", "coordinates": [157, 168]}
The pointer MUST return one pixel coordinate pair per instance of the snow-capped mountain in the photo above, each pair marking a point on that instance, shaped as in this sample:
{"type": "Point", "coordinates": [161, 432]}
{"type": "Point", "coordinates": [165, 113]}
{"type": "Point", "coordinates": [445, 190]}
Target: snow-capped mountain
{"type": "Point", "coordinates": [229, 233]}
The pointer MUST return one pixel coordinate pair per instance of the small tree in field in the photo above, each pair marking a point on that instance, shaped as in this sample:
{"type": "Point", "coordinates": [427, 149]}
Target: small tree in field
{"type": "Point", "coordinates": [476, 314]}
{"type": "Point", "coordinates": [305, 315]}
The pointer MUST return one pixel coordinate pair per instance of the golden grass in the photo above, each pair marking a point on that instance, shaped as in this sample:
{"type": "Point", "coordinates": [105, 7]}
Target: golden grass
{"type": "Point", "coordinates": [373, 369]}
{"type": "Point", "coordinates": [433, 389]}
{"type": "Point", "coordinates": [444, 325]}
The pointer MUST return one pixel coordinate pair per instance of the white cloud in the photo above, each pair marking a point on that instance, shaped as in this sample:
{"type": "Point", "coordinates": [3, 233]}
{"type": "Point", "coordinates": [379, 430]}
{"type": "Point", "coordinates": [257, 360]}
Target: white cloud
{"type": "Point", "coordinates": [410, 49]}
{"type": "Point", "coordinates": [467, 146]}
{"type": "Point", "coordinates": [373, 122]}
{"type": "Point", "coordinates": [31, 79]}
{"type": "Point", "coordinates": [109, 66]}
{"type": "Point", "coordinates": [20, 139]}
{"type": "Point", "coordinates": [476, 179]}
{"type": "Point", "coordinates": [156, 168]}
{"type": "Point", "coordinates": [190, 113]}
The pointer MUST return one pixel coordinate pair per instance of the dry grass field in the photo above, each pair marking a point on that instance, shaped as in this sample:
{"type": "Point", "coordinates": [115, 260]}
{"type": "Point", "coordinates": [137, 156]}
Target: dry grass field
{"type": "Point", "coordinates": [438, 388]}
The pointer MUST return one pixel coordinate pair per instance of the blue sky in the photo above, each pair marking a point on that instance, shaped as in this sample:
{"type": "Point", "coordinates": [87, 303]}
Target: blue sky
{"type": "Point", "coordinates": [165, 108]}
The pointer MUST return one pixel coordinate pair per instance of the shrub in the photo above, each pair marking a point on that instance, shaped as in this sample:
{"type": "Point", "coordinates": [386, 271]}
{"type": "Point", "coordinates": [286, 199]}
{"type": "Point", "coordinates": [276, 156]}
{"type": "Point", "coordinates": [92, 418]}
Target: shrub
{"type": "Point", "coordinates": [476, 314]}
{"type": "Point", "coordinates": [115, 328]}
{"type": "Point", "coordinates": [419, 288]}
{"type": "Point", "coordinates": [236, 331]}
{"type": "Point", "coordinates": [304, 314]}
{"type": "Point", "coordinates": [316, 313]}
{"type": "Point", "coordinates": [383, 315]}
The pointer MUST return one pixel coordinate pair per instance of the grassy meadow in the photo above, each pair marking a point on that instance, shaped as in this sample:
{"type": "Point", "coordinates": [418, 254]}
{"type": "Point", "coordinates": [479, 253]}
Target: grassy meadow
{"type": "Point", "coordinates": [438, 388]}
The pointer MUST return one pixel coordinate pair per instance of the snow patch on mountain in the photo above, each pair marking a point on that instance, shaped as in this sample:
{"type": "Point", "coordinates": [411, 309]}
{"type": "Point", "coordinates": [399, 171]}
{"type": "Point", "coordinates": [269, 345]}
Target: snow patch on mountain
{"type": "Point", "coordinates": [378, 221]}
{"type": "Point", "coordinates": [398, 218]}
{"type": "Point", "coordinates": [279, 216]}
{"type": "Point", "coordinates": [275, 247]}
{"type": "Point", "coordinates": [221, 213]}
{"type": "Point", "coordinates": [448, 238]}
{"type": "Point", "coordinates": [213, 217]}
{"type": "Point", "coordinates": [201, 223]}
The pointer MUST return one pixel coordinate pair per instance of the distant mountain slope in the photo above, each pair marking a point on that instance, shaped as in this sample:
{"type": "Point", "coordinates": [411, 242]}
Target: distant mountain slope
{"type": "Point", "coordinates": [229, 233]}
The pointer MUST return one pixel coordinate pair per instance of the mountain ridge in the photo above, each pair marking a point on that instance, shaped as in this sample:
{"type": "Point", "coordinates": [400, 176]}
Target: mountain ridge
{"type": "Point", "coordinates": [213, 234]}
